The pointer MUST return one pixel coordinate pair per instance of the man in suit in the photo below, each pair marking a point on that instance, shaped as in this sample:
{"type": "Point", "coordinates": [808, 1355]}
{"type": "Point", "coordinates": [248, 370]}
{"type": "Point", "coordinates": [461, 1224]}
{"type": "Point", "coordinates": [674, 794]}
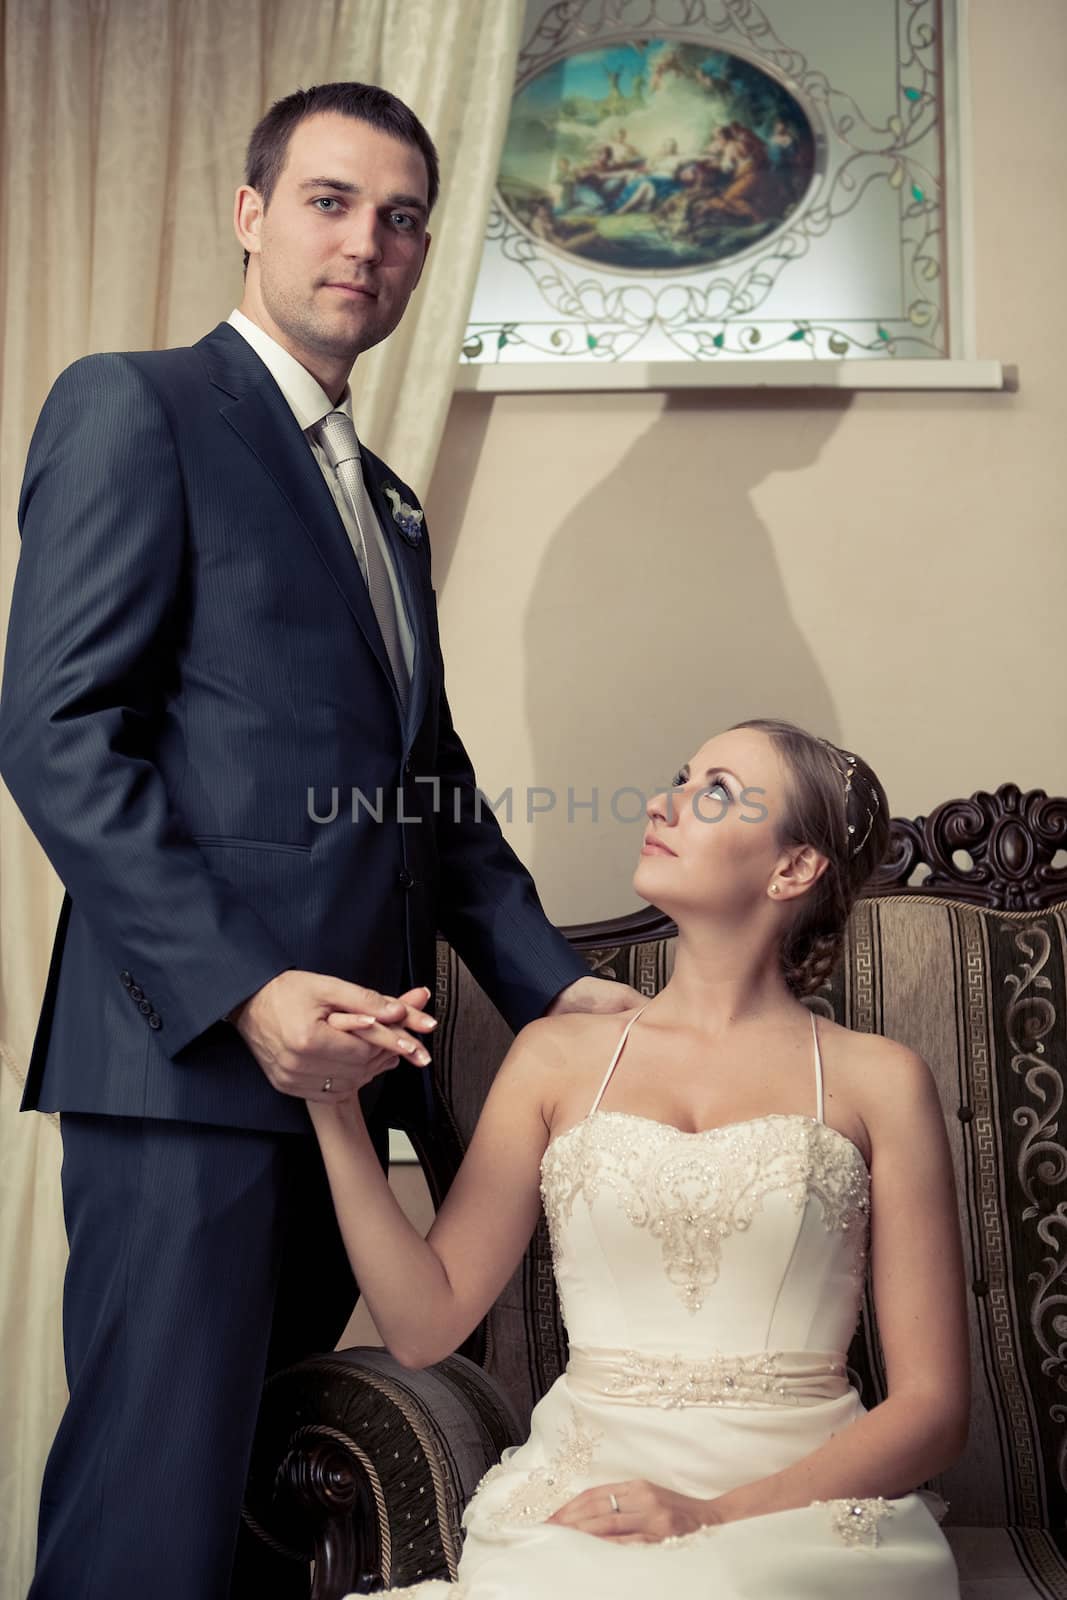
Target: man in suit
{"type": "Point", "coordinates": [223, 620]}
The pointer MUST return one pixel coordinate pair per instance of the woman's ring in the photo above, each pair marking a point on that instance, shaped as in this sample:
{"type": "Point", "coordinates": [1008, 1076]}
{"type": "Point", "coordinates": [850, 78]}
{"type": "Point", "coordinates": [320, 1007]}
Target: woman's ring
{"type": "Point", "coordinates": [614, 1502]}
{"type": "Point", "coordinates": [327, 1086]}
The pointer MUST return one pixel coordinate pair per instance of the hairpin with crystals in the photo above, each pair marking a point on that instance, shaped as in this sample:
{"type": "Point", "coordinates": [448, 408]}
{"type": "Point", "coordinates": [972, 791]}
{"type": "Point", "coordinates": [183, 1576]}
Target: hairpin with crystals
{"type": "Point", "coordinates": [872, 810]}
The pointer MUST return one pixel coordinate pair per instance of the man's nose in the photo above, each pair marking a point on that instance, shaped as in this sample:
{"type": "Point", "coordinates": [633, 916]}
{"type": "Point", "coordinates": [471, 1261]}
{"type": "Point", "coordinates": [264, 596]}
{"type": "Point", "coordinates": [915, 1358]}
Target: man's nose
{"type": "Point", "coordinates": [363, 236]}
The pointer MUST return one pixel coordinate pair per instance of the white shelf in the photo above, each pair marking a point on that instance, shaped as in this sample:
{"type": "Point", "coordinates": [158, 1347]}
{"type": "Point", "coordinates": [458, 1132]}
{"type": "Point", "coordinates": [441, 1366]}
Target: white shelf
{"type": "Point", "coordinates": [401, 1153]}
{"type": "Point", "coordinates": [549, 377]}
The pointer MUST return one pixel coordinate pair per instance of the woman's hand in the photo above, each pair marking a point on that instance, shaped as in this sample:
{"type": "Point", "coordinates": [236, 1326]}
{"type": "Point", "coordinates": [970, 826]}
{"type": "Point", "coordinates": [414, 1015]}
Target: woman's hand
{"type": "Point", "coordinates": [646, 1512]}
{"type": "Point", "coordinates": [284, 1026]}
{"type": "Point", "coordinates": [383, 1040]}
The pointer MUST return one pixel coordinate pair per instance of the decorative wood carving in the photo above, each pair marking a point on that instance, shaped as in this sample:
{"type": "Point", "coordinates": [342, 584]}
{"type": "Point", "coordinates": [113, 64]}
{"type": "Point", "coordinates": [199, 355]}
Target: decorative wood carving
{"type": "Point", "coordinates": [322, 1477]}
{"type": "Point", "coordinates": [1010, 838]}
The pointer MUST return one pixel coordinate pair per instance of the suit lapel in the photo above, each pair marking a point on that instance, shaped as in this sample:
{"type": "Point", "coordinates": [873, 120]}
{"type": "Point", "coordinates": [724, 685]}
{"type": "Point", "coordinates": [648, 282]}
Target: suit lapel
{"type": "Point", "coordinates": [257, 411]}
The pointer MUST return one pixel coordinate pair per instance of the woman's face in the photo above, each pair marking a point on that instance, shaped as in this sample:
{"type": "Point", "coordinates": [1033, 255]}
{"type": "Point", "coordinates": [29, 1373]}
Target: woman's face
{"type": "Point", "coordinates": [711, 844]}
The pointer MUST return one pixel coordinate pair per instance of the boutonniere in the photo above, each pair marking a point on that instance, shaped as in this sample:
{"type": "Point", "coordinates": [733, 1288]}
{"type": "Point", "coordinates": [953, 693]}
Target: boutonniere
{"type": "Point", "coordinates": [407, 518]}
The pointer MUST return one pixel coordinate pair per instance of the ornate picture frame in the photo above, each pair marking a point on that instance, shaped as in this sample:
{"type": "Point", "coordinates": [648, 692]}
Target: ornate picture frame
{"type": "Point", "coordinates": [695, 183]}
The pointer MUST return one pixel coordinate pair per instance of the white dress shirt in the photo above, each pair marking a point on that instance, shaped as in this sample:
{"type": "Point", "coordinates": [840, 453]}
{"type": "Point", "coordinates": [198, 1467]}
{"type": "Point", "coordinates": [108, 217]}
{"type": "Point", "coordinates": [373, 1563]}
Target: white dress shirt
{"type": "Point", "coordinates": [309, 403]}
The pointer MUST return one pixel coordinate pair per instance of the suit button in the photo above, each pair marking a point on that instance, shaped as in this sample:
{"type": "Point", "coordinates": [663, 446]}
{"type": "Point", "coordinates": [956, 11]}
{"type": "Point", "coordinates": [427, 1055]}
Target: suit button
{"type": "Point", "coordinates": [126, 979]}
{"type": "Point", "coordinates": [136, 993]}
{"type": "Point", "coordinates": [405, 878]}
{"type": "Point", "coordinates": [144, 1007]}
{"type": "Point", "coordinates": [155, 1022]}
{"type": "Point", "coordinates": [407, 769]}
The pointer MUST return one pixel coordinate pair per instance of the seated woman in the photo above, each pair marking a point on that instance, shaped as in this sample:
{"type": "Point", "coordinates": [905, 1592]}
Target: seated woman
{"type": "Point", "coordinates": [713, 1178]}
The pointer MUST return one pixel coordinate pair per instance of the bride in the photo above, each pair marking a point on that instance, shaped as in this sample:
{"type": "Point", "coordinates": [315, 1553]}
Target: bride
{"type": "Point", "coordinates": [714, 1174]}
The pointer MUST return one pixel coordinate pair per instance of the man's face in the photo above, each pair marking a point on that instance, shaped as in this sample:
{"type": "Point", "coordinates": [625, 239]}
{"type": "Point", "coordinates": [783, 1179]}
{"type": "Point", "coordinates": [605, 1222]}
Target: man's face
{"type": "Point", "coordinates": [342, 243]}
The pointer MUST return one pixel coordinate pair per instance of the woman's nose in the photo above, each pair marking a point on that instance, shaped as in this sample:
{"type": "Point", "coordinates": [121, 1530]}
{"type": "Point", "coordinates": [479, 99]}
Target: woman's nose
{"type": "Point", "coordinates": [661, 808]}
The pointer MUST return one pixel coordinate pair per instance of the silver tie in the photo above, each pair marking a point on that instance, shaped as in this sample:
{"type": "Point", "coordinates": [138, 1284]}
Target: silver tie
{"type": "Point", "coordinates": [337, 435]}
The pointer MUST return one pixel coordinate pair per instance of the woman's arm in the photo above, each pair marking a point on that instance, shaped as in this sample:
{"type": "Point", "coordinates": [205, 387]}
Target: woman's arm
{"type": "Point", "coordinates": [426, 1295]}
{"type": "Point", "coordinates": [917, 1273]}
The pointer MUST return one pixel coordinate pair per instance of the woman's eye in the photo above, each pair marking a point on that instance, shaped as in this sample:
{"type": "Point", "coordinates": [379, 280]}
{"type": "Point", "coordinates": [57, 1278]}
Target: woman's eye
{"type": "Point", "coordinates": [720, 787]}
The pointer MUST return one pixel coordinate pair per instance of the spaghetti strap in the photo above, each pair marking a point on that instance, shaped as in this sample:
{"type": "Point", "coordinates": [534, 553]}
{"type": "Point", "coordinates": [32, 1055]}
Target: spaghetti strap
{"type": "Point", "coordinates": [614, 1062]}
{"type": "Point", "coordinates": [818, 1071]}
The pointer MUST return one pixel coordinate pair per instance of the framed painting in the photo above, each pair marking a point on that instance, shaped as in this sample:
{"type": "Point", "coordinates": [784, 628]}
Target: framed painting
{"type": "Point", "coordinates": [692, 183]}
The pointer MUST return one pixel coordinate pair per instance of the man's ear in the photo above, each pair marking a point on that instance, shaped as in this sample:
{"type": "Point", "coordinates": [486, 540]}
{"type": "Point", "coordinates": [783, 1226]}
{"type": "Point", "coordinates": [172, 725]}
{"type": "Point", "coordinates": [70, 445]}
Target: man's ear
{"type": "Point", "coordinates": [248, 210]}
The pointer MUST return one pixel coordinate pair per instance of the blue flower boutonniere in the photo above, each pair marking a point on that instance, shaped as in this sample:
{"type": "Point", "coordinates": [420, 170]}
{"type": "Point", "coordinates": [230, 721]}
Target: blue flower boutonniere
{"type": "Point", "coordinates": [407, 518]}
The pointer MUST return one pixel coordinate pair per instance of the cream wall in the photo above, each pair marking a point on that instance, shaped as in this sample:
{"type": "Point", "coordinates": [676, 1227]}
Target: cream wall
{"type": "Point", "coordinates": [621, 575]}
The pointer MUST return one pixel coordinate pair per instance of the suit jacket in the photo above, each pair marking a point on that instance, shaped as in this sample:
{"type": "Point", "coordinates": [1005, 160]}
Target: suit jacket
{"type": "Point", "coordinates": [199, 724]}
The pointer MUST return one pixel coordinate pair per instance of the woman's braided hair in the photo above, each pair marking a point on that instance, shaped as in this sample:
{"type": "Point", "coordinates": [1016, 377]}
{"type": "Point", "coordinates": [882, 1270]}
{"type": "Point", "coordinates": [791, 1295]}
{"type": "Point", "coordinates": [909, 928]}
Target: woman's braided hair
{"type": "Point", "coordinates": [835, 804]}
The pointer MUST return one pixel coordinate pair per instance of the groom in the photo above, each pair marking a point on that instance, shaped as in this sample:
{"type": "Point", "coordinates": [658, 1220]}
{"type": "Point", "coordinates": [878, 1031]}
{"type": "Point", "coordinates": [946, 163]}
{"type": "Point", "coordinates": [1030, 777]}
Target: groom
{"type": "Point", "coordinates": [222, 615]}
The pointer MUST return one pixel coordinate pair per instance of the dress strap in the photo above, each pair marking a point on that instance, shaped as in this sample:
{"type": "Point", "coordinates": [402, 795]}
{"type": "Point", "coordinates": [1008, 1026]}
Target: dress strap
{"type": "Point", "coordinates": [614, 1061]}
{"type": "Point", "coordinates": [818, 1070]}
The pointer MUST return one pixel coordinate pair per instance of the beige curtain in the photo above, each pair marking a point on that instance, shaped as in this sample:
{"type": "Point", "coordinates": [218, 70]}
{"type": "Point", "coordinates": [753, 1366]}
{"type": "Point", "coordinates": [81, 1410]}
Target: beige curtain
{"type": "Point", "coordinates": [124, 126]}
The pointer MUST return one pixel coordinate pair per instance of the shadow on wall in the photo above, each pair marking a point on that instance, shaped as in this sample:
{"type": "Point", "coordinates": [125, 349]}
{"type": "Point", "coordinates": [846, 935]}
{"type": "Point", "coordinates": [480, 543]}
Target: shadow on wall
{"type": "Point", "coordinates": [659, 617]}
{"type": "Point", "coordinates": [453, 478]}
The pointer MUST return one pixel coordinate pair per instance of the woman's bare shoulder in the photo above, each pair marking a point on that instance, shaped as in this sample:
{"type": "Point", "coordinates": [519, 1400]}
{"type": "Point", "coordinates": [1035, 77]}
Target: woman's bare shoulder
{"type": "Point", "coordinates": [567, 1052]}
{"type": "Point", "coordinates": [573, 1030]}
{"type": "Point", "coordinates": [880, 1077]}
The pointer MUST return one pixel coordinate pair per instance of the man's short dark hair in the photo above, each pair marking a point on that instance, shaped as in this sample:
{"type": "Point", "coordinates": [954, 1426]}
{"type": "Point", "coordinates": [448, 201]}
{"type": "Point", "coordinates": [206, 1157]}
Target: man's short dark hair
{"type": "Point", "coordinates": [364, 102]}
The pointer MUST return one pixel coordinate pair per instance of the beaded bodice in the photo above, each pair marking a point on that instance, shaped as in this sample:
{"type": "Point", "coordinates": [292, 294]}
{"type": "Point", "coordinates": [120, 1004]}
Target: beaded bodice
{"type": "Point", "coordinates": [745, 1238]}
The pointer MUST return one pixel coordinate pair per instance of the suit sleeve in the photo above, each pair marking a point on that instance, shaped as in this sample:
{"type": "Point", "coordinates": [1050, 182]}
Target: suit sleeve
{"type": "Point", "coordinates": [490, 911]}
{"type": "Point", "coordinates": [93, 650]}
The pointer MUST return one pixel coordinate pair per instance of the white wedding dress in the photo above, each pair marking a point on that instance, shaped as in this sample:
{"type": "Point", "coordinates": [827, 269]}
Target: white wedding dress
{"type": "Point", "coordinates": [710, 1284]}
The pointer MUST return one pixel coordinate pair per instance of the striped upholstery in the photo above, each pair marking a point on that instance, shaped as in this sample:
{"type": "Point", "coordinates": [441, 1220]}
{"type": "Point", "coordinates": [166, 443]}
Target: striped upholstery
{"type": "Point", "coordinates": [982, 995]}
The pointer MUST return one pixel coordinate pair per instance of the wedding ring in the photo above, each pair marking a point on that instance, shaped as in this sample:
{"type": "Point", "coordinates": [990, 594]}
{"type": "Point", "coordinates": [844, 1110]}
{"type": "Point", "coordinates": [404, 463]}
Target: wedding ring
{"type": "Point", "coordinates": [614, 1502]}
{"type": "Point", "coordinates": [327, 1086]}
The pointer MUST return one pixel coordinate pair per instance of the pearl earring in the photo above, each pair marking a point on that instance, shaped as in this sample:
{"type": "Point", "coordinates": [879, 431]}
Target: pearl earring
{"type": "Point", "coordinates": [775, 888]}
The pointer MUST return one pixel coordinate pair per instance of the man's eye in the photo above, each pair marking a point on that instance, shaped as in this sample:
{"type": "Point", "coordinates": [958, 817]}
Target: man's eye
{"type": "Point", "coordinates": [324, 200]}
{"type": "Point", "coordinates": [403, 221]}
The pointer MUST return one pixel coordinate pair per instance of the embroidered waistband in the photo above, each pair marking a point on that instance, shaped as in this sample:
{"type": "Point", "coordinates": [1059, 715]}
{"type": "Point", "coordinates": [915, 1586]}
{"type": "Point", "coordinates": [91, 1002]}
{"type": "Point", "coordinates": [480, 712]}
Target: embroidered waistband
{"type": "Point", "coordinates": [768, 1378]}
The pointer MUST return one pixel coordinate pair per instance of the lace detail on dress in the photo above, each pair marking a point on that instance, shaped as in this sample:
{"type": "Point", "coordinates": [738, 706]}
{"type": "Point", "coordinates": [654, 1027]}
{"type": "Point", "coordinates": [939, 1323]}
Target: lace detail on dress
{"type": "Point", "coordinates": [666, 1184]}
{"type": "Point", "coordinates": [544, 1489]}
{"type": "Point", "coordinates": [856, 1522]}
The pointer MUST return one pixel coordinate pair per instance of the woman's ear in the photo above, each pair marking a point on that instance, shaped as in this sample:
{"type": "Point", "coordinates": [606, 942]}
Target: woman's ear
{"type": "Point", "coordinates": [799, 870]}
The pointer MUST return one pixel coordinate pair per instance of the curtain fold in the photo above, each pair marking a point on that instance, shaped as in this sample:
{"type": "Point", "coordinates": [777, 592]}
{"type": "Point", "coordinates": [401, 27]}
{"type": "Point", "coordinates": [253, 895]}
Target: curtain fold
{"type": "Point", "coordinates": [124, 124]}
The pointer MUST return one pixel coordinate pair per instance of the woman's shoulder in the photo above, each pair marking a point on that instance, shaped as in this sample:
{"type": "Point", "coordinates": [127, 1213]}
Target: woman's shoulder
{"type": "Point", "coordinates": [572, 1037]}
{"type": "Point", "coordinates": [882, 1078]}
{"type": "Point", "coordinates": [564, 1052]}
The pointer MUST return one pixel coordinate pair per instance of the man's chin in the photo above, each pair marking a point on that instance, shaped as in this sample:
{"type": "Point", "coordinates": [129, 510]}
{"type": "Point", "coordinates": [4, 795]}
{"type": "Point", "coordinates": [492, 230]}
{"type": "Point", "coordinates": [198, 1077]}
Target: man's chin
{"type": "Point", "coordinates": [342, 338]}
{"type": "Point", "coordinates": [358, 326]}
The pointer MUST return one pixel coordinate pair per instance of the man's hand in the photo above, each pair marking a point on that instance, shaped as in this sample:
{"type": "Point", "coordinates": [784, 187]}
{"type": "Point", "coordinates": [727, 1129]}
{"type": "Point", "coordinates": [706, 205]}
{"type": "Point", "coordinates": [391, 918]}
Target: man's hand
{"type": "Point", "coordinates": [285, 1026]}
{"type": "Point", "coordinates": [637, 1512]}
{"type": "Point", "coordinates": [595, 994]}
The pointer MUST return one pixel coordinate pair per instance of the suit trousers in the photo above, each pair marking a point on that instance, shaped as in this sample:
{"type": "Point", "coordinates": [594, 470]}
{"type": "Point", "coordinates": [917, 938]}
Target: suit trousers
{"type": "Point", "coordinates": [201, 1259]}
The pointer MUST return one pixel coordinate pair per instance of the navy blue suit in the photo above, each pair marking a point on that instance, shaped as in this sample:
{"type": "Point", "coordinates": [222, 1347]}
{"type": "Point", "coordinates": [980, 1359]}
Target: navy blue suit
{"type": "Point", "coordinates": [199, 724]}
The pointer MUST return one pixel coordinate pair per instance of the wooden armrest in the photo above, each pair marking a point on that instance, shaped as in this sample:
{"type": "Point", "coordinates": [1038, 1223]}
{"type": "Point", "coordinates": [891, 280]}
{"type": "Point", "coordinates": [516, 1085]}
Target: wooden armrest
{"type": "Point", "coordinates": [364, 1467]}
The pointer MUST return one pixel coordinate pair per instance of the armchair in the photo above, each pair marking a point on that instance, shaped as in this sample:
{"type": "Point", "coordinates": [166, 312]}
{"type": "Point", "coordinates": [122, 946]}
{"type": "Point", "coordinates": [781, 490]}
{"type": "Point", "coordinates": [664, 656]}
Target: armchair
{"type": "Point", "coordinates": [958, 949]}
